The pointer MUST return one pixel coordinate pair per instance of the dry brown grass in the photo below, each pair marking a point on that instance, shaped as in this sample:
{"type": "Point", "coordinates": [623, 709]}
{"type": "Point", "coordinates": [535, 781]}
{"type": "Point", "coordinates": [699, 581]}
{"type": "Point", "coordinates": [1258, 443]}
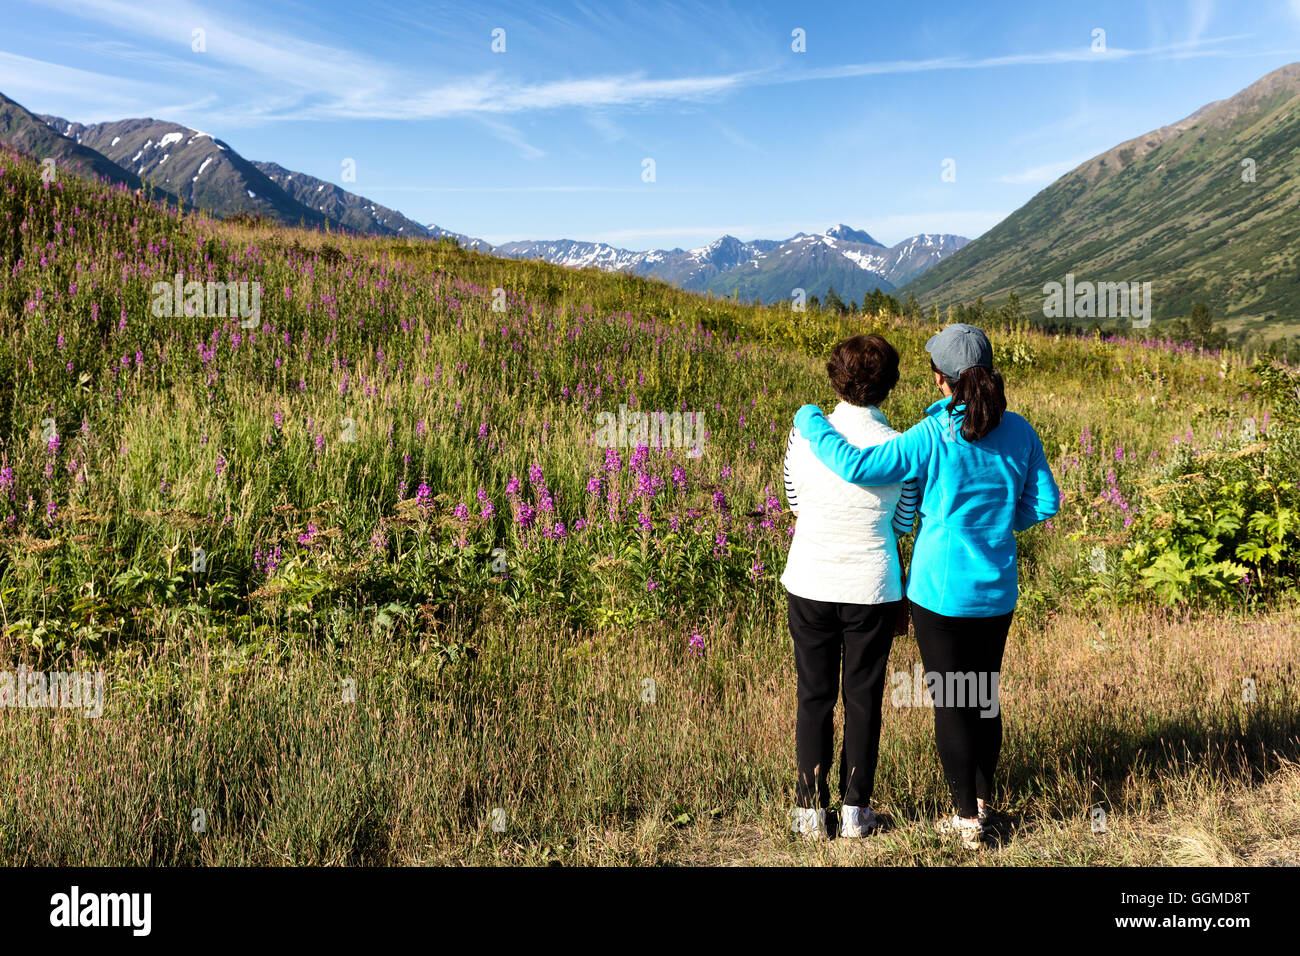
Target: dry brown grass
{"type": "Point", "coordinates": [549, 724]}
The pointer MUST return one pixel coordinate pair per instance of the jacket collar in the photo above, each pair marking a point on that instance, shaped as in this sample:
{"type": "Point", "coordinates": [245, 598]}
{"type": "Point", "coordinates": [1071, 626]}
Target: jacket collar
{"type": "Point", "coordinates": [844, 409]}
{"type": "Point", "coordinates": [950, 419]}
{"type": "Point", "coordinates": [939, 406]}
{"type": "Point", "coordinates": [944, 404]}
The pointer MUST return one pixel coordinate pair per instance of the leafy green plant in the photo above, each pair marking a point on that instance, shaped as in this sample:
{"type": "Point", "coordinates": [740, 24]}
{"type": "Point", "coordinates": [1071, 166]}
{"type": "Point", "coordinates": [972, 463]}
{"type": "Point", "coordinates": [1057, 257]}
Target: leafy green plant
{"type": "Point", "coordinates": [1223, 523]}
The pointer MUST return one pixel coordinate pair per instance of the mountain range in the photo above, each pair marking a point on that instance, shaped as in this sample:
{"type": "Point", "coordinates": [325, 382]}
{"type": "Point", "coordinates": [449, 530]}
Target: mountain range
{"type": "Point", "coordinates": [1206, 209]}
{"type": "Point", "coordinates": [847, 259]}
{"type": "Point", "coordinates": [185, 165]}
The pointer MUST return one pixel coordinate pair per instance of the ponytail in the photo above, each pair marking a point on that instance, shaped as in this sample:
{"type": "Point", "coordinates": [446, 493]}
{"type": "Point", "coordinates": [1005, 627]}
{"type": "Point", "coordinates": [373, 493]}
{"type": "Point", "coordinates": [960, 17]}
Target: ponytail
{"type": "Point", "coordinates": [981, 391]}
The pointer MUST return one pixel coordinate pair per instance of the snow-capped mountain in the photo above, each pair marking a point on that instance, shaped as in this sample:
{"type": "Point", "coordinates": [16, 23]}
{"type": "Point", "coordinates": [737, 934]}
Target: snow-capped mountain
{"type": "Point", "coordinates": [916, 255]}
{"type": "Point", "coordinates": [573, 254]}
{"type": "Point", "coordinates": [341, 207]}
{"type": "Point", "coordinates": [848, 259]}
{"type": "Point", "coordinates": [190, 164]}
{"type": "Point", "coordinates": [208, 173]}
{"type": "Point", "coordinates": [849, 234]}
{"type": "Point", "coordinates": [201, 171]}
{"type": "Point", "coordinates": [687, 268]}
{"type": "Point", "coordinates": [465, 242]}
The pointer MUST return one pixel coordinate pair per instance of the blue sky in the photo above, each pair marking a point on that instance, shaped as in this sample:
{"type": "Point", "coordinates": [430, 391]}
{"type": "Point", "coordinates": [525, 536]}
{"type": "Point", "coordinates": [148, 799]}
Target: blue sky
{"type": "Point", "coordinates": [748, 137]}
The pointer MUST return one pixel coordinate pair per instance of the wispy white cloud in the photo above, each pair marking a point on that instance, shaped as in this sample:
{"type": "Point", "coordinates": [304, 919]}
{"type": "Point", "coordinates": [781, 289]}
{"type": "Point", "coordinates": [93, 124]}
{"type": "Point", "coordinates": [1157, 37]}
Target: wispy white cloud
{"type": "Point", "coordinates": [1081, 54]}
{"type": "Point", "coordinates": [510, 135]}
{"type": "Point", "coordinates": [1044, 174]}
{"type": "Point", "coordinates": [600, 121]}
{"type": "Point", "coordinates": [291, 59]}
{"type": "Point", "coordinates": [288, 77]}
{"type": "Point", "coordinates": [736, 139]}
{"type": "Point", "coordinates": [1054, 130]}
{"type": "Point", "coordinates": [526, 189]}
{"type": "Point", "coordinates": [1199, 16]}
{"type": "Point", "coordinates": [22, 77]}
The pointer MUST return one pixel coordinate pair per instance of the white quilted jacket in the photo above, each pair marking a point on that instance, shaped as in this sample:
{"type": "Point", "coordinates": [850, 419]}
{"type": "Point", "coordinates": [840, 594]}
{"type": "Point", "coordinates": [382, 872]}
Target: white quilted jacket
{"type": "Point", "coordinates": [845, 547]}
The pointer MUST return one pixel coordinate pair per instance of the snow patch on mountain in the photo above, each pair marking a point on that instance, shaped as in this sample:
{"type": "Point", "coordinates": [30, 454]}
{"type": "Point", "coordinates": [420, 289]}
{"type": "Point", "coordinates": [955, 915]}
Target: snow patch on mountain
{"type": "Point", "coordinates": [794, 262]}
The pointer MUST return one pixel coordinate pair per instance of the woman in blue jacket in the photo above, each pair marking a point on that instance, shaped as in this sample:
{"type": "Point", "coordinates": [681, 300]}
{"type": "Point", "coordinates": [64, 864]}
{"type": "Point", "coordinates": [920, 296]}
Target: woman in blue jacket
{"type": "Point", "coordinates": [983, 476]}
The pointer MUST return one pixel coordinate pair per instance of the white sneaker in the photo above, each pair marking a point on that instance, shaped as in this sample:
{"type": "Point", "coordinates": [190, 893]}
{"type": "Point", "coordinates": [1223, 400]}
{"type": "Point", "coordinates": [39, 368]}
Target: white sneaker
{"type": "Point", "coordinates": [808, 823]}
{"type": "Point", "coordinates": [971, 832]}
{"type": "Point", "coordinates": [857, 822]}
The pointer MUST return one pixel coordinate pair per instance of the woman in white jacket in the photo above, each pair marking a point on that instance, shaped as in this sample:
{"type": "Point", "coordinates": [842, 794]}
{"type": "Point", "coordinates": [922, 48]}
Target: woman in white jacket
{"type": "Point", "coordinates": [844, 585]}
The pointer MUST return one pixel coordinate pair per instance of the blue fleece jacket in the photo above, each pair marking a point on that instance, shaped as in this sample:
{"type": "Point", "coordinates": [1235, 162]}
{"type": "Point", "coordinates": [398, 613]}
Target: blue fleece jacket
{"type": "Point", "coordinates": [974, 496]}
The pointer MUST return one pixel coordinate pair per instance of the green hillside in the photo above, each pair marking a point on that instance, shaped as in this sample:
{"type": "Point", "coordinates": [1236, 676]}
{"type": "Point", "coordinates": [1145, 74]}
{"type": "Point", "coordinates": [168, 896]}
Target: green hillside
{"type": "Point", "coordinates": [1171, 208]}
{"type": "Point", "coordinates": [22, 130]}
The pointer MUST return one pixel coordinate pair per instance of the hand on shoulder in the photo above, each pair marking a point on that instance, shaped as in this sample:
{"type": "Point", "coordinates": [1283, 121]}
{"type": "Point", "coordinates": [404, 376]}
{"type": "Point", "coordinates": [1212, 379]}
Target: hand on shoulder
{"type": "Point", "coordinates": [806, 419]}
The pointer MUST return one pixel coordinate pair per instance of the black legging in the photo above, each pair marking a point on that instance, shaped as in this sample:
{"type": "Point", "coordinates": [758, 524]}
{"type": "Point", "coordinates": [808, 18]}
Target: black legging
{"type": "Point", "coordinates": [967, 726]}
{"type": "Point", "coordinates": [828, 636]}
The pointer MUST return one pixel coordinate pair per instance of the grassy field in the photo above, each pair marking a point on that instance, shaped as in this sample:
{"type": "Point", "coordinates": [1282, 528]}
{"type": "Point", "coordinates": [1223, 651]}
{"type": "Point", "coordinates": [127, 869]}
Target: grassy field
{"type": "Point", "coordinates": [365, 589]}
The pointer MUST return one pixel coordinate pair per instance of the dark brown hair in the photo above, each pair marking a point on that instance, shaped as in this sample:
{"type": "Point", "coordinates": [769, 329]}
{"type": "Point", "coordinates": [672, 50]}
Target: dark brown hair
{"type": "Point", "coordinates": [981, 391]}
{"type": "Point", "coordinates": [863, 369]}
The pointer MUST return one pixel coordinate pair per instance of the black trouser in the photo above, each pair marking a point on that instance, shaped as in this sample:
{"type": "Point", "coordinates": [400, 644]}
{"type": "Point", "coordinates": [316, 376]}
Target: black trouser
{"type": "Point", "coordinates": [966, 655]}
{"type": "Point", "coordinates": [826, 635]}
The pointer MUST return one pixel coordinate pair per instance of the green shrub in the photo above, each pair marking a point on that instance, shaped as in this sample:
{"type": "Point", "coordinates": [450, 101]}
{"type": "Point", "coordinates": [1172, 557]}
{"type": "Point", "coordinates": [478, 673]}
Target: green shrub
{"type": "Point", "coordinates": [1225, 524]}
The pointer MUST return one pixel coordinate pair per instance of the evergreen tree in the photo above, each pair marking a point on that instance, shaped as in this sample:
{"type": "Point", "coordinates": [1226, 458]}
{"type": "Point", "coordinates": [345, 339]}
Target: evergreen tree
{"type": "Point", "coordinates": [1012, 314]}
{"type": "Point", "coordinates": [1202, 328]}
{"type": "Point", "coordinates": [1201, 323]}
{"type": "Point", "coordinates": [834, 302]}
{"type": "Point", "coordinates": [911, 308]}
{"type": "Point", "coordinates": [871, 304]}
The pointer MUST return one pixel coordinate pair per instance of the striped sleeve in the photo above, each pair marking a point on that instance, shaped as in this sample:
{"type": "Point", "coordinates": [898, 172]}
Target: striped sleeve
{"type": "Point", "coordinates": [905, 511]}
{"type": "Point", "coordinates": [791, 496]}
